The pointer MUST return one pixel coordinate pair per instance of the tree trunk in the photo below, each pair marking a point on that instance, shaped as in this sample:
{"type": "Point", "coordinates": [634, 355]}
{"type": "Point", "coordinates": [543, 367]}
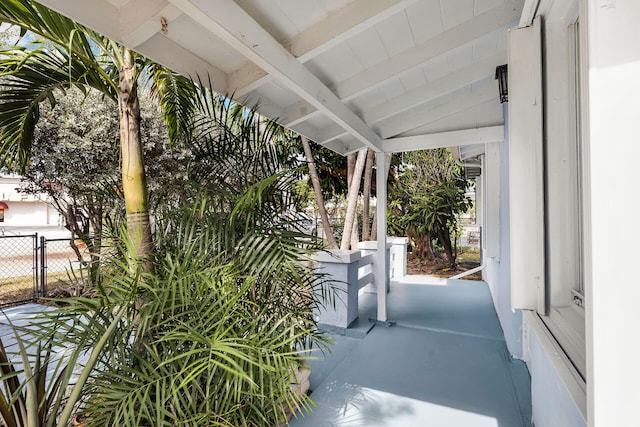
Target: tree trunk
{"type": "Point", "coordinates": [351, 165]}
{"type": "Point", "coordinates": [134, 182]}
{"type": "Point", "coordinates": [352, 200]}
{"type": "Point", "coordinates": [374, 227]}
{"type": "Point", "coordinates": [445, 241]}
{"type": "Point", "coordinates": [355, 238]}
{"type": "Point", "coordinates": [366, 195]}
{"type": "Point", "coordinates": [315, 180]}
{"type": "Point", "coordinates": [96, 243]}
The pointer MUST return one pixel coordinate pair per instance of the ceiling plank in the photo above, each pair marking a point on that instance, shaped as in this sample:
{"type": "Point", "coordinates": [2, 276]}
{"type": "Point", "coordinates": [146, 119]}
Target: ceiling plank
{"type": "Point", "coordinates": [473, 73]}
{"type": "Point", "coordinates": [340, 148]}
{"type": "Point", "coordinates": [234, 26]}
{"type": "Point", "coordinates": [170, 54]}
{"type": "Point", "coordinates": [141, 19]}
{"type": "Point", "coordinates": [296, 113]}
{"type": "Point", "coordinates": [488, 22]}
{"type": "Point", "coordinates": [330, 133]}
{"type": "Point", "coordinates": [444, 139]}
{"type": "Point", "coordinates": [343, 24]}
{"type": "Point", "coordinates": [307, 130]}
{"type": "Point", "coordinates": [247, 78]}
{"type": "Point", "coordinates": [97, 15]}
{"type": "Point", "coordinates": [338, 27]}
{"type": "Point", "coordinates": [468, 75]}
{"type": "Point", "coordinates": [429, 113]}
{"type": "Point", "coordinates": [357, 85]}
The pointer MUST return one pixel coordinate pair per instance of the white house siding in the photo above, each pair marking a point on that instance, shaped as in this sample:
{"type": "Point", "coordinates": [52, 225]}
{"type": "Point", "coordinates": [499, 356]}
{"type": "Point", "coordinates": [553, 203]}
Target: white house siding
{"type": "Point", "coordinates": [26, 214]}
{"type": "Point", "coordinates": [552, 402]}
{"type": "Point", "coordinates": [497, 271]}
{"type": "Point", "coordinates": [612, 88]}
{"type": "Point", "coordinates": [25, 210]}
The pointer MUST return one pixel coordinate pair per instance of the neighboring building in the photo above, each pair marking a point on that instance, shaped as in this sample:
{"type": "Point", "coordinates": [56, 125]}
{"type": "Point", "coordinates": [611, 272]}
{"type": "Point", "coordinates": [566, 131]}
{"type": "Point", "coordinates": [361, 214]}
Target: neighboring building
{"type": "Point", "coordinates": [20, 209]}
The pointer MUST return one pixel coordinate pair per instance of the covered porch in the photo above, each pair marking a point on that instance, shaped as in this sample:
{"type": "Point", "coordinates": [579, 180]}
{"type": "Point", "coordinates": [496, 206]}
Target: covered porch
{"type": "Point", "coordinates": [443, 362]}
{"type": "Point", "coordinates": [558, 163]}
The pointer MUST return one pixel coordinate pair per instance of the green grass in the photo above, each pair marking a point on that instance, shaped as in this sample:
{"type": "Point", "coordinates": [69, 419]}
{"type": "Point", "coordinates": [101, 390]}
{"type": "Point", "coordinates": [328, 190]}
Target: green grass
{"type": "Point", "coordinates": [22, 287]}
{"type": "Point", "coordinates": [469, 255]}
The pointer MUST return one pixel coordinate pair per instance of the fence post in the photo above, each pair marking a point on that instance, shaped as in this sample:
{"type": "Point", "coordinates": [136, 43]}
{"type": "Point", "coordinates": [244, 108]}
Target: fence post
{"type": "Point", "coordinates": [36, 282]}
{"type": "Point", "coordinates": [43, 265]}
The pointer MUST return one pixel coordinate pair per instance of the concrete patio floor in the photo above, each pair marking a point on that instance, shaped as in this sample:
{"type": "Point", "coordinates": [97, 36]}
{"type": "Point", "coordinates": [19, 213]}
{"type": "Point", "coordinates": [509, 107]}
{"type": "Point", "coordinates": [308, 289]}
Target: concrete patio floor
{"type": "Point", "coordinates": [443, 363]}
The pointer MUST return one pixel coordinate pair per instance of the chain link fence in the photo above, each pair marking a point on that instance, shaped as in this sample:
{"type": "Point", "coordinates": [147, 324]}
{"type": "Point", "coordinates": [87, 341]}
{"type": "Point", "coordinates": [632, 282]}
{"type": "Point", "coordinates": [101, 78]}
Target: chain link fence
{"type": "Point", "coordinates": [19, 275]}
{"type": "Point", "coordinates": [32, 267]}
{"type": "Point", "coordinates": [59, 265]}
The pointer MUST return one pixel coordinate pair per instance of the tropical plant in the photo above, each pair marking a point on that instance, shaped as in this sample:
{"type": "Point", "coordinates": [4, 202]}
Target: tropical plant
{"type": "Point", "coordinates": [75, 162]}
{"type": "Point", "coordinates": [72, 55]}
{"type": "Point", "coordinates": [234, 151]}
{"type": "Point", "coordinates": [425, 201]}
{"type": "Point", "coordinates": [215, 335]}
{"type": "Point", "coordinates": [40, 388]}
{"type": "Point", "coordinates": [7, 33]}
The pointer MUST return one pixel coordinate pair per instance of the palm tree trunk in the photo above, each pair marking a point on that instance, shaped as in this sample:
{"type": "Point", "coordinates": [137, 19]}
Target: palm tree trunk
{"type": "Point", "coordinates": [351, 165]}
{"type": "Point", "coordinates": [355, 237]}
{"type": "Point", "coordinates": [352, 200]}
{"type": "Point", "coordinates": [374, 227]}
{"type": "Point", "coordinates": [366, 195]}
{"type": "Point", "coordinates": [134, 182]}
{"type": "Point", "coordinates": [315, 180]}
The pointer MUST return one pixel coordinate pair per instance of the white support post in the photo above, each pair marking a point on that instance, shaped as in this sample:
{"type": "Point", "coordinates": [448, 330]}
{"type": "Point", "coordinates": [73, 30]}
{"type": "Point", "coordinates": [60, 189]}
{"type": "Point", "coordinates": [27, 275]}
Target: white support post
{"type": "Point", "coordinates": [381, 206]}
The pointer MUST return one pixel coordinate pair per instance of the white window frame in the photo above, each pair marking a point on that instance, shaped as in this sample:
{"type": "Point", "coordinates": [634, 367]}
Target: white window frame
{"type": "Point", "coordinates": [566, 320]}
{"type": "Point", "coordinates": [548, 279]}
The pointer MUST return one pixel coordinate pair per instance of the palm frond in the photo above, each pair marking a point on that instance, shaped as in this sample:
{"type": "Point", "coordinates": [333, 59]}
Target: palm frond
{"type": "Point", "coordinates": [40, 20]}
{"type": "Point", "coordinates": [175, 94]}
{"type": "Point", "coordinates": [29, 77]}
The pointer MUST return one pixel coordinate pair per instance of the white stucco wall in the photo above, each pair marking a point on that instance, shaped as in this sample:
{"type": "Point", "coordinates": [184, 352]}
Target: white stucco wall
{"type": "Point", "coordinates": [552, 402]}
{"type": "Point", "coordinates": [613, 318]}
{"type": "Point", "coordinates": [497, 271]}
{"type": "Point", "coordinates": [26, 214]}
{"type": "Point", "coordinates": [25, 210]}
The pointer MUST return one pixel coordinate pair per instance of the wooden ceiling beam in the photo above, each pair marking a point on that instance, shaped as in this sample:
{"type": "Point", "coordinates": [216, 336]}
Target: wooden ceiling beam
{"type": "Point", "coordinates": [229, 22]}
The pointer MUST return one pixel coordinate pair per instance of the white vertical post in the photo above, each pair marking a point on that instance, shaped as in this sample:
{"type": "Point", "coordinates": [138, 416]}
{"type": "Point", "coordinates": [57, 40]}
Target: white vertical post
{"type": "Point", "coordinates": [381, 206]}
{"type": "Point", "coordinates": [611, 239]}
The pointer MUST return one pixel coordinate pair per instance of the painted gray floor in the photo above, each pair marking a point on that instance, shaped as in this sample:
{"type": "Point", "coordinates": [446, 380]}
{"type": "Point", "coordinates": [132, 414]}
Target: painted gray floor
{"type": "Point", "coordinates": [444, 363]}
{"type": "Point", "coordinates": [25, 318]}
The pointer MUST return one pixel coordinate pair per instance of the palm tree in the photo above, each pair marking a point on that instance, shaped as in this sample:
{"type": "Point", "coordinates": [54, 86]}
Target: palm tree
{"type": "Point", "coordinates": [222, 329]}
{"type": "Point", "coordinates": [72, 55]}
{"type": "Point", "coordinates": [317, 190]}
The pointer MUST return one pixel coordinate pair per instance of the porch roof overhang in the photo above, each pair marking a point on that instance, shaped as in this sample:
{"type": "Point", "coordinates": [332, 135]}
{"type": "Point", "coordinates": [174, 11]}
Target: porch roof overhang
{"type": "Point", "coordinates": [392, 75]}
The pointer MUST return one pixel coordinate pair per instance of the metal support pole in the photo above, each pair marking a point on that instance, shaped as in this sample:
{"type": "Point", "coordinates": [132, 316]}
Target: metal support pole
{"type": "Point", "coordinates": [35, 265]}
{"type": "Point", "coordinates": [381, 206]}
{"type": "Point", "coordinates": [43, 266]}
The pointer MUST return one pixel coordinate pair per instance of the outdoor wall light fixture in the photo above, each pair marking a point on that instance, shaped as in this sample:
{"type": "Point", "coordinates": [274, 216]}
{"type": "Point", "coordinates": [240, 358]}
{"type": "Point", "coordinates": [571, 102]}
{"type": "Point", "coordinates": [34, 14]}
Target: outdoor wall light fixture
{"type": "Point", "coordinates": [501, 76]}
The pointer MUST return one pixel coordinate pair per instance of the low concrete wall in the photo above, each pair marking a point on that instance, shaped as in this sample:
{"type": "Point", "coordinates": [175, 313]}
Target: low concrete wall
{"type": "Point", "coordinates": [398, 257]}
{"type": "Point", "coordinates": [552, 401]}
{"type": "Point", "coordinates": [339, 288]}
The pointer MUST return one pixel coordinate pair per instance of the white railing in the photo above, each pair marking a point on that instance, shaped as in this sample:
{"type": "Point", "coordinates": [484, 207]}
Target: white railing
{"type": "Point", "coordinates": [365, 271]}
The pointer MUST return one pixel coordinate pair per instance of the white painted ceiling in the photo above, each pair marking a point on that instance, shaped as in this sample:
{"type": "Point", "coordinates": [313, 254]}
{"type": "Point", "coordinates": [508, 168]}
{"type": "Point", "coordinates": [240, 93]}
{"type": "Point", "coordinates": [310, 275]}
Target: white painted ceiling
{"type": "Point", "coordinates": [387, 74]}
